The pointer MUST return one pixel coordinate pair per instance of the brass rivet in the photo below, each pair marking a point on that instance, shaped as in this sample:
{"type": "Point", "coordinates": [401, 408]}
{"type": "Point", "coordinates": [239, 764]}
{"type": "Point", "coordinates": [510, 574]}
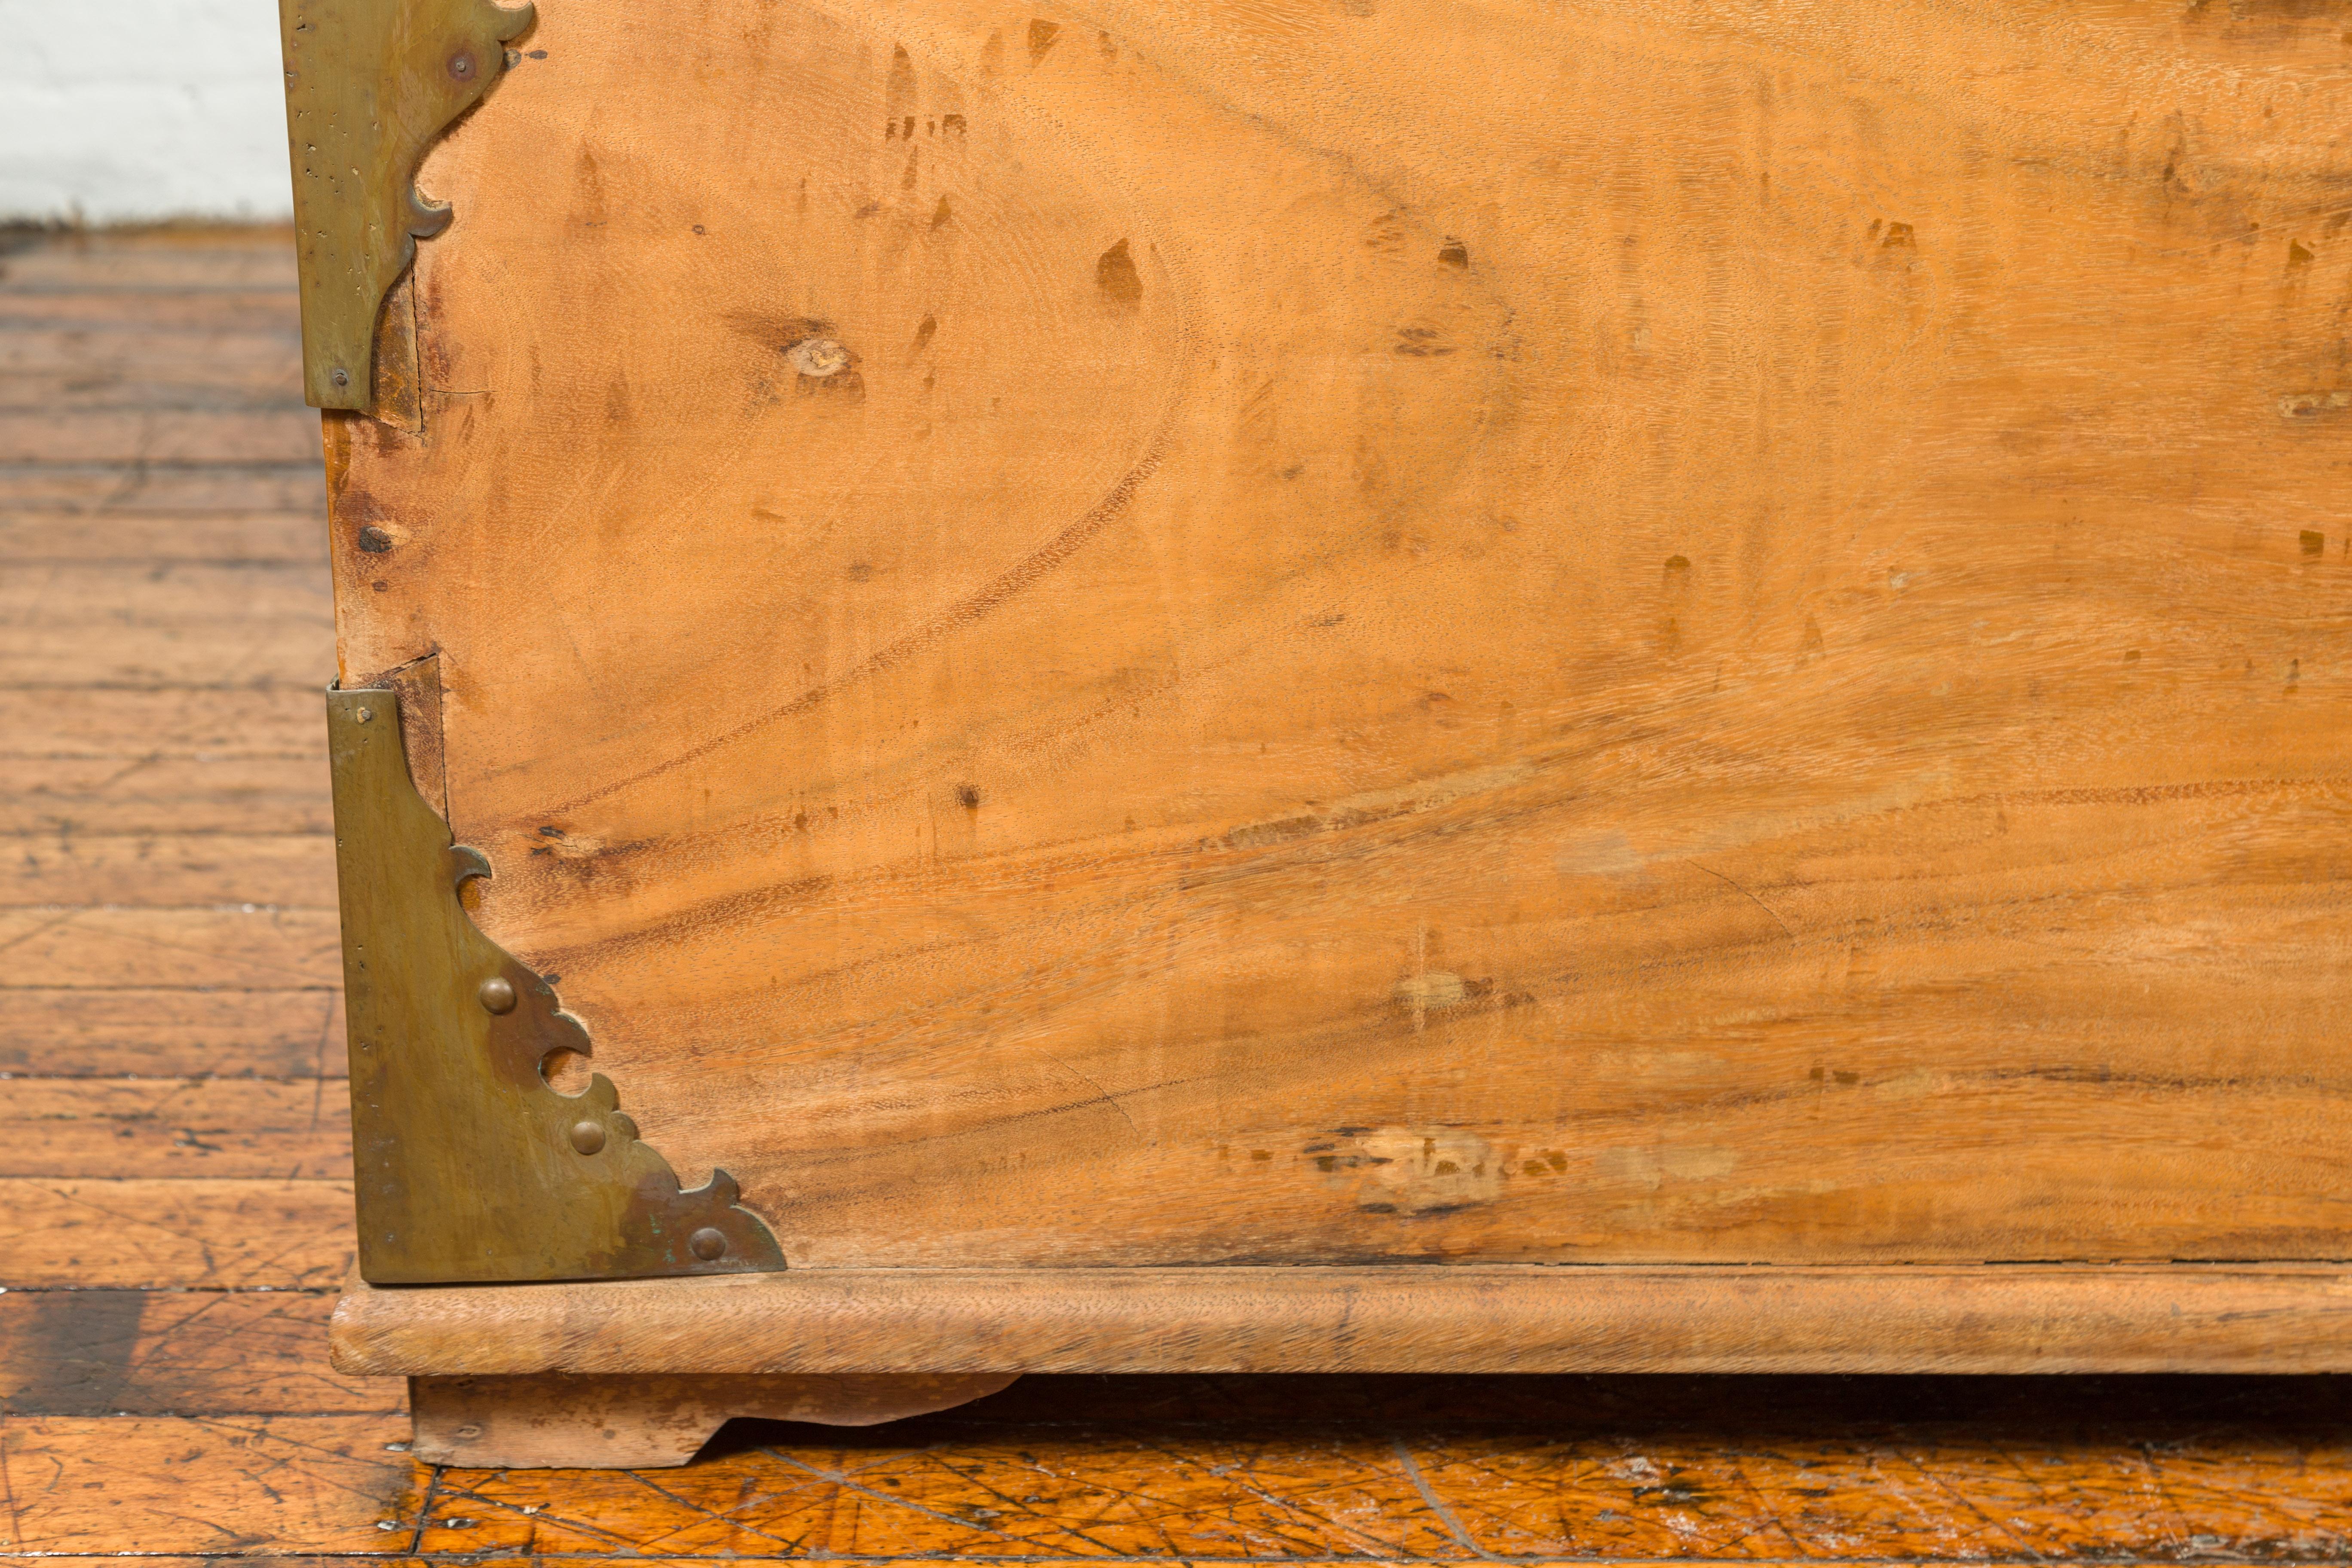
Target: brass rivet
{"type": "Point", "coordinates": [708, 1244]}
{"type": "Point", "coordinates": [497, 994]}
{"type": "Point", "coordinates": [365, 714]}
{"type": "Point", "coordinates": [461, 66]}
{"type": "Point", "coordinates": [341, 378]}
{"type": "Point", "coordinates": [587, 1136]}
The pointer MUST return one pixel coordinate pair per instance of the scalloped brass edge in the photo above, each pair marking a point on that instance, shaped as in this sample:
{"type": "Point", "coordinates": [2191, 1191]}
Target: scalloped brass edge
{"type": "Point", "coordinates": [470, 1167]}
{"type": "Point", "coordinates": [370, 85]}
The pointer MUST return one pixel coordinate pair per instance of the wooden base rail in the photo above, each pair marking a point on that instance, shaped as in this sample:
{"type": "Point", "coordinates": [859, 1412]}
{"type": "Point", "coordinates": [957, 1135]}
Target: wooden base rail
{"type": "Point", "coordinates": [556, 1421]}
{"type": "Point", "coordinates": [1992, 1318]}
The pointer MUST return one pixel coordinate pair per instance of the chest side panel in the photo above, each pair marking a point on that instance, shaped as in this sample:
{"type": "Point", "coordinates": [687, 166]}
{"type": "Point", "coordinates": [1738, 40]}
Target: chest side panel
{"type": "Point", "coordinates": [1298, 632]}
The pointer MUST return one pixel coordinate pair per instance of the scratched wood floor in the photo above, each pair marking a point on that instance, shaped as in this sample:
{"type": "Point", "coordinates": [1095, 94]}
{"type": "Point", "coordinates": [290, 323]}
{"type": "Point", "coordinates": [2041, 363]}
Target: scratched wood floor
{"type": "Point", "coordinates": [175, 1214]}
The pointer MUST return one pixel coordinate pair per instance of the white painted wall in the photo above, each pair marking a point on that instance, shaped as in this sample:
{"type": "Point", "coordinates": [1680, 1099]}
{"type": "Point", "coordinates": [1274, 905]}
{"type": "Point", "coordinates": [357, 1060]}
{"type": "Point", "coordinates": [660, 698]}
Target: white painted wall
{"type": "Point", "coordinates": [141, 109]}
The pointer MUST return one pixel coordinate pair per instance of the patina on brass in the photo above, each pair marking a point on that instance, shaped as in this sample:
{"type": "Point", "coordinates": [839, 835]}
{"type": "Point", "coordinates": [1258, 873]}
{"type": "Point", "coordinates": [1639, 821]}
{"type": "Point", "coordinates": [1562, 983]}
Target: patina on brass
{"type": "Point", "coordinates": [471, 1167]}
{"type": "Point", "coordinates": [369, 85]}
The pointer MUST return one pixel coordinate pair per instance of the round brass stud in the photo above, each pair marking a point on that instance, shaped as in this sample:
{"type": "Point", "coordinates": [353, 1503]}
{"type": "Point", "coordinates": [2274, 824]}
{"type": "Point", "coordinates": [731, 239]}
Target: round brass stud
{"type": "Point", "coordinates": [497, 994]}
{"type": "Point", "coordinates": [587, 1136]}
{"type": "Point", "coordinates": [708, 1244]}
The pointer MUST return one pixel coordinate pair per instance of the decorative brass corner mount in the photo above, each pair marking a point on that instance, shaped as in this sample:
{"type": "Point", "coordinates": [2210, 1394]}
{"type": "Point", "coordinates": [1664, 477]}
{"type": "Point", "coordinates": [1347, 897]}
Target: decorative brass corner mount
{"type": "Point", "coordinates": [369, 85]}
{"type": "Point", "coordinates": [471, 1167]}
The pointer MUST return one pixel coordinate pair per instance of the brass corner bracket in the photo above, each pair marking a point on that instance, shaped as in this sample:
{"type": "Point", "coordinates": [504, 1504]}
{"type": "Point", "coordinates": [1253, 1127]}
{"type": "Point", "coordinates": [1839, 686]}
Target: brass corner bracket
{"type": "Point", "coordinates": [369, 85]}
{"type": "Point", "coordinates": [470, 1166]}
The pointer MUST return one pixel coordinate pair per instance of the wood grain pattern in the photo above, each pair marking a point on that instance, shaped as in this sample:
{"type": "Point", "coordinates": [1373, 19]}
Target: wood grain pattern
{"type": "Point", "coordinates": [86, 721]}
{"type": "Point", "coordinates": [1463, 1318]}
{"type": "Point", "coordinates": [45, 796]}
{"type": "Point", "coordinates": [158, 1032]}
{"type": "Point", "coordinates": [192, 436]}
{"type": "Point", "coordinates": [192, 261]}
{"type": "Point", "coordinates": [1527, 1470]}
{"type": "Point", "coordinates": [172, 869]}
{"type": "Point", "coordinates": [284, 652]}
{"type": "Point", "coordinates": [1333, 1469]}
{"type": "Point", "coordinates": [238, 533]}
{"type": "Point", "coordinates": [230, 1128]}
{"type": "Point", "coordinates": [171, 1054]}
{"type": "Point", "coordinates": [259, 311]}
{"type": "Point", "coordinates": [185, 1353]}
{"type": "Point", "coordinates": [206, 1232]}
{"type": "Point", "coordinates": [244, 945]}
{"type": "Point", "coordinates": [173, 595]}
{"type": "Point", "coordinates": [226, 1485]}
{"type": "Point", "coordinates": [87, 365]}
{"type": "Point", "coordinates": [1530, 1469]}
{"type": "Point", "coordinates": [143, 488]}
{"type": "Point", "coordinates": [651, 1423]}
{"type": "Point", "coordinates": [1412, 631]}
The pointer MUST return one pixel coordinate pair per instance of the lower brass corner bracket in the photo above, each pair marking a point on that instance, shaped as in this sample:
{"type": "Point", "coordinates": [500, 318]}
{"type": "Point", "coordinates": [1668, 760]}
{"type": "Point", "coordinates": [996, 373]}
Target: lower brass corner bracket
{"type": "Point", "coordinates": [471, 1167]}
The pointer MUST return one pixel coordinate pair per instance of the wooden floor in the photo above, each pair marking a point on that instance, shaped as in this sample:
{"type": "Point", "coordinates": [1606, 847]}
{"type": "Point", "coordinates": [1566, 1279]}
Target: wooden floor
{"type": "Point", "coordinates": [175, 1217]}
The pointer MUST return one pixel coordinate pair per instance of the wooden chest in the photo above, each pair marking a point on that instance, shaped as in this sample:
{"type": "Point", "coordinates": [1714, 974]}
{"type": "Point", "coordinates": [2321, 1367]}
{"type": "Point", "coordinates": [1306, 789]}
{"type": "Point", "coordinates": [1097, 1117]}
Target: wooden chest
{"type": "Point", "coordinates": [1333, 684]}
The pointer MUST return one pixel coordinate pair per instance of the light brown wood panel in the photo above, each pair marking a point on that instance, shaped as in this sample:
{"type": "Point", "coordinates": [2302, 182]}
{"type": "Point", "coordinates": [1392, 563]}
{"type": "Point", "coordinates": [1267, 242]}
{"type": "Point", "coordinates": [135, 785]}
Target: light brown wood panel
{"type": "Point", "coordinates": [237, 535]}
{"type": "Point", "coordinates": [119, 368]}
{"type": "Point", "coordinates": [160, 1033]}
{"type": "Point", "coordinates": [158, 434]}
{"type": "Point", "coordinates": [256, 309]}
{"type": "Point", "coordinates": [1469, 1318]}
{"type": "Point", "coordinates": [187, 1352]}
{"type": "Point", "coordinates": [248, 947]}
{"type": "Point", "coordinates": [185, 1127]}
{"type": "Point", "coordinates": [159, 594]}
{"type": "Point", "coordinates": [169, 869]}
{"type": "Point", "coordinates": [645, 1422]}
{"type": "Point", "coordinates": [289, 650]}
{"type": "Point", "coordinates": [1413, 630]}
{"type": "Point", "coordinates": [204, 1233]}
{"type": "Point", "coordinates": [159, 488]}
{"type": "Point", "coordinates": [45, 797]}
{"type": "Point", "coordinates": [229, 258]}
{"type": "Point", "coordinates": [112, 388]}
{"type": "Point", "coordinates": [82, 722]}
{"type": "Point", "coordinates": [234, 1485]}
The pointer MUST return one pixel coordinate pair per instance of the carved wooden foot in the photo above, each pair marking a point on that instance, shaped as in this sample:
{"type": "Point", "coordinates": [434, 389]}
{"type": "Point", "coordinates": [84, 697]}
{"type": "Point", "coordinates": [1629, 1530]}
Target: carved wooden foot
{"type": "Point", "coordinates": [552, 1421]}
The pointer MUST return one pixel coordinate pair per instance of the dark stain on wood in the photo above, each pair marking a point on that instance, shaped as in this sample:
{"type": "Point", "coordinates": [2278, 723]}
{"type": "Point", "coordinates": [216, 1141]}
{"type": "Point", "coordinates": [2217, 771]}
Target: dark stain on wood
{"type": "Point", "coordinates": [67, 1352]}
{"type": "Point", "coordinates": [1116, 275]}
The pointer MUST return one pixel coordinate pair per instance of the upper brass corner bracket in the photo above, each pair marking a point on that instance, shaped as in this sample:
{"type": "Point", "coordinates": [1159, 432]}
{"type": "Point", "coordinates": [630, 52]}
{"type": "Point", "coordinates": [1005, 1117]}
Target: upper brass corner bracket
{"type": "Point", "coordinates": [369, 85]}
{"type": "Point", "coordinates": [471, 1167]}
